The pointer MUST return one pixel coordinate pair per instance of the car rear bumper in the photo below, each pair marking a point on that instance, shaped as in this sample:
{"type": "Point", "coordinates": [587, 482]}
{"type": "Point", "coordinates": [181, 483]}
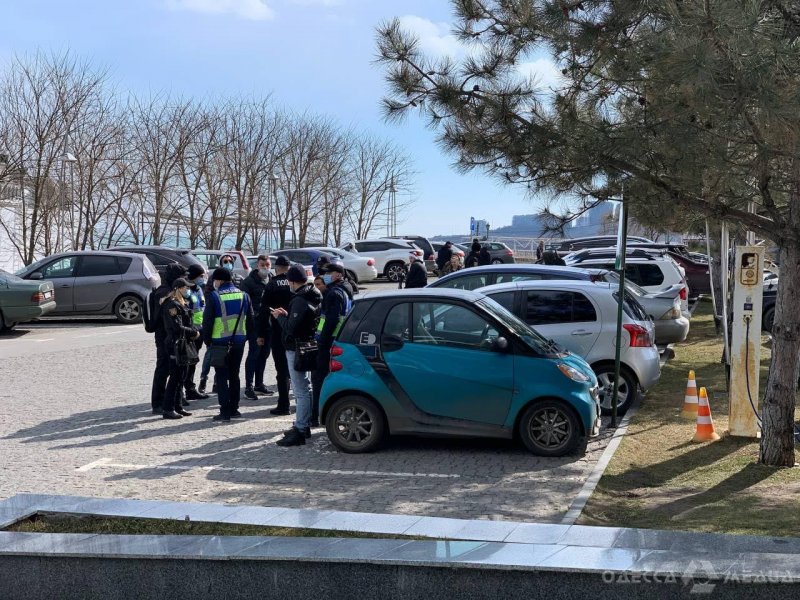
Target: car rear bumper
{"type": "Point", "coordinates": [367, 274]}
{"type": "Point", "coordinates": [21, 314]}
{"type": "Point", "coordinates": [671, 331]}
{"type": "Point", "coordinates": [646, 364]}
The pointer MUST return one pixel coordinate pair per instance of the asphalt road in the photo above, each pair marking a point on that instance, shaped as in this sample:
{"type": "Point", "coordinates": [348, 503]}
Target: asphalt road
{"type": "Point", "coordinates": [77, 420]}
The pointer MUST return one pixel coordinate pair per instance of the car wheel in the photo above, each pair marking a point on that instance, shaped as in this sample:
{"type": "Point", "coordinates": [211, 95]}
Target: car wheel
{"type": "Point", "coordinates": [549, 428]}
{"type": "Point", "coordinates": [626, 394]}
{"type": "Point", "coordinates": [497, 261]}
{"type": "Point", "coordinates": [395, 271]}
{"type": "Point", "coordinates": [352, 276]}
{"type": "Point", "coordinates": [768, 320]}
{"type": "Point", "coordinates": [355, 425]}
{"type": "Point", "coordinates": [128, 310]}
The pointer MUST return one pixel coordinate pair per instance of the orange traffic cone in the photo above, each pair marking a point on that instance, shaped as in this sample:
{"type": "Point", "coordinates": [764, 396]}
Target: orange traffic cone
{"type": "Point", "coordinates": [705, 426]}
{"type": "Point", "coordinates": [690, 399]}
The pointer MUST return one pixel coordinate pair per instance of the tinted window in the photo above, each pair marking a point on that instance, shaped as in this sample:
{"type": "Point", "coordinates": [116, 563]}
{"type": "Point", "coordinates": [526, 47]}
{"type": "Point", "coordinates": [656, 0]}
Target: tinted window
{"type": "Point", "coordinates": [496, 247]}
{"type": "Point", "coordinates": [63, 267]}
{"type": "Point", "coordinates": [96, 266]}
{"type": "Point", "coordinates": [371, 246]}
{"type": "Point", "coordinates": [509, 277]}
{"type": "Point", "coordinates": [440, 324]}
{"type": "Point", "coordinates": [645, 274]}
{"type": "Point", "coordinates": [158, 260]}
{"type": "Point", "coordinates": [550, 306]}
{"type": "Point", "coordinates": [505, 299]}
{"type": "Point", "coordinates": [398, 320]}
{"type": "Point", "coordinates": [467, 282]}
{"type": "Point", "coordinates": [301, 257]}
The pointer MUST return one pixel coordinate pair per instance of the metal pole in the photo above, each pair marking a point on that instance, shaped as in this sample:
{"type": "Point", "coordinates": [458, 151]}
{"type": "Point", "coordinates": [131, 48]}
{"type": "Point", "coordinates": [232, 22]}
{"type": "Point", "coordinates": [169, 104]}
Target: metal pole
{"type": "Point", "coordinates": [620, 268]}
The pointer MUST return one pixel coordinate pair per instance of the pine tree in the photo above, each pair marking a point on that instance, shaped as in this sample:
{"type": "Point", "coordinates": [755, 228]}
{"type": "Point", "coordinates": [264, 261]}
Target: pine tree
{"type": "Point", "coordinates": [689, 102]}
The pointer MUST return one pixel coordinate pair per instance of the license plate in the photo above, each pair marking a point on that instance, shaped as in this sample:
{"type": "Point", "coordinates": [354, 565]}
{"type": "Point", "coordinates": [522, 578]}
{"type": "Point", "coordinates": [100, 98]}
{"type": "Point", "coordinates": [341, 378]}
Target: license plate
{"type": "Point", "coordinates": [48, 295]}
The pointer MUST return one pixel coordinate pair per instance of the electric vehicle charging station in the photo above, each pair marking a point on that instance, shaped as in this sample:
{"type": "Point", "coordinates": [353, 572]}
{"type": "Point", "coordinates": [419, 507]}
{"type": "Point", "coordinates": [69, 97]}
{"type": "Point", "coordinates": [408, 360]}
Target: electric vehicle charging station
{"type": "Point", "coordinates": [747, 273]}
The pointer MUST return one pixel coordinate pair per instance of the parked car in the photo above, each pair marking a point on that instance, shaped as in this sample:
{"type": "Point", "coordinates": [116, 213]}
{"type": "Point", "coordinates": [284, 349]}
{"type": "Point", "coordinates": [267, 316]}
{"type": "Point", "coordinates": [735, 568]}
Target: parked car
{"type": "Point", "coordinates": [309, 268]}
{"type": "Point", "coordinates": [581, 316]}
{"type": "Point", "coordinates": [391, 256]}
{"type": "Point", "coordinates": [22, 301]}
{"type": "Point", "coordinates": [695, 271]}
{"type": "Point", "coordinates": [456, 250]}
{"type": "Point", "coordinates": [500, 253]}
{"type": "Point", "coordinates": [304, 256]}
{"type": "Point", "coordinates": [161, 256]}
{"type": "Point", "coordinates": [211, 258]}
{"type": "Point", "coordinates": [652, 270]}
{"type": "Point", "coordinates": [420, 242]}
{"type": "Point", "coordinates": [97, 282]}
{"type": "Point", "coordinates": [453, 363]}
{"type": "Point", "coordinates": [768, 309]}
{"type": "Point", "coordinates": [671, 326]}
{"type": "Point", "coordinates": [359, 268]}
{"type": "Point", "coordinates": [564, 247]}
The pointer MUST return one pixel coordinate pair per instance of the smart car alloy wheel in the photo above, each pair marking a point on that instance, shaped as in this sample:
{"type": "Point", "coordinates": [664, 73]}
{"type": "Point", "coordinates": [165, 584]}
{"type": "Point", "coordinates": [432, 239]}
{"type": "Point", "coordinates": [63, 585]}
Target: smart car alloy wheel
{"type": "Point", "coordinates": [549, 428]}
{"type": "Point", "coordinates": [355, 424]}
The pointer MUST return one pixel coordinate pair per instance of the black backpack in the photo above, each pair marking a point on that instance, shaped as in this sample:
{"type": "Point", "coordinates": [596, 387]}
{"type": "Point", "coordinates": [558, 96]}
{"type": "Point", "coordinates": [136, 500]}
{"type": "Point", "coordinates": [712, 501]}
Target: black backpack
{"type": "Point", "coordinates": [151, 312]}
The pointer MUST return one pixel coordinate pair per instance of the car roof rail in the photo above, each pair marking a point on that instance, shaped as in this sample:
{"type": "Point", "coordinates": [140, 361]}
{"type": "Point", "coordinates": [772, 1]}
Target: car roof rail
{"type": "Point", "coordinates": [590, 253]}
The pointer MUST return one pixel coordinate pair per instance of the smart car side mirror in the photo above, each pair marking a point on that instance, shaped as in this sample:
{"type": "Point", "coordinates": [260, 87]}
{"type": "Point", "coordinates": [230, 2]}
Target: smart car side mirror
{"type": "Point", "coordinates": [501, 344]}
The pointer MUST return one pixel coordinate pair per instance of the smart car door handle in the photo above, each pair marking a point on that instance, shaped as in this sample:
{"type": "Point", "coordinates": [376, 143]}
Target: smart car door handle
{"type": "Point", "coordinates": [581, 332]}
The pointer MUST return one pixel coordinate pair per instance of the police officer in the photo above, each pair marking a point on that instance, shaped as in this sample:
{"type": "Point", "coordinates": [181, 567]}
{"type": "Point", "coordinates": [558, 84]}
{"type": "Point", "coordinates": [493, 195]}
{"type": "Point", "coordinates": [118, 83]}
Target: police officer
{"type": "Point", "coordinates": [196, 304]}
{"type": "Point", "coordinates": [277, 294]}
{"type": "Point", "coordinates": [255, 284]}
{"type": "Point", "coordinates": [154, 302]}
{"type": "Point", "coordinates": [227, 317]}
{"type": "Point", "coordinates": [336, 304]}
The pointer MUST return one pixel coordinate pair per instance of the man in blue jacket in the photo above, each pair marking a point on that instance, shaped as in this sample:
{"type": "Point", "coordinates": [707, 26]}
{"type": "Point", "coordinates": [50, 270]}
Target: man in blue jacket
{"type": "Point", "coordinates": [227, 318]}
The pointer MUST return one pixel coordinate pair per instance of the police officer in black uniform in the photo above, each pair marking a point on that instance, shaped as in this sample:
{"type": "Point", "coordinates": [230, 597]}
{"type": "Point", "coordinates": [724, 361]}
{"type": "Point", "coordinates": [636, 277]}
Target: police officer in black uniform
{"type": "Point", "coordinates": [277, 294]}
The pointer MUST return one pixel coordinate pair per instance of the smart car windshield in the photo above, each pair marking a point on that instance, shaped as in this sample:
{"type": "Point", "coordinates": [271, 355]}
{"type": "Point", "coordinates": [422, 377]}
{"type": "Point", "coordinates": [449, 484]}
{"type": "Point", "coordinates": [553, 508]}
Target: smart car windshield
{"type": "Point", "coordinates": [529, 335]}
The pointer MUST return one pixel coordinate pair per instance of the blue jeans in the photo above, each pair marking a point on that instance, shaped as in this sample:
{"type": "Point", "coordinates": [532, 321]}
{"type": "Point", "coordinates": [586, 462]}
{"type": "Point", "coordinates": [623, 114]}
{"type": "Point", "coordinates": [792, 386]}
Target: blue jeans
{"type": "Point", "coordinates": [256, 362]}
{"type": "Point", "coordinates": [301, 384]}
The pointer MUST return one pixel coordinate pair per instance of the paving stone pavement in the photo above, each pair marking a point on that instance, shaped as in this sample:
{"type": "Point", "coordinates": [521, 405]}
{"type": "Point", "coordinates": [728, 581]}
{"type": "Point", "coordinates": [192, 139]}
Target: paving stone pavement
{"type": "Point", "coordinates": [76, 420]}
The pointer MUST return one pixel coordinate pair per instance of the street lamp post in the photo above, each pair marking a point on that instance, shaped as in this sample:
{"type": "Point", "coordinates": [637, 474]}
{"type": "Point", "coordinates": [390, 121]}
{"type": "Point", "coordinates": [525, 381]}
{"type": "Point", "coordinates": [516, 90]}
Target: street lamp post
{"type": "Point", "coordinates": [274, 179]}
{"type": "Point", "coordinates": [67, 158]}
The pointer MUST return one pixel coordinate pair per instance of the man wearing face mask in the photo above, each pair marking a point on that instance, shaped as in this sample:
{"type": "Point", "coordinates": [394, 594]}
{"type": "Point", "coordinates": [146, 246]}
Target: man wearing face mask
{"type": "Point", "coordinates": [335, 306]}
{"type": "Point", "coordinates": [228, 262]}
{"type": "Point", "coordinates": [277, 294]}
{"type": "Point", "coordinates": [297, 324]}
{"type": "Point", "coordinates": [196, 304]}
{"type": "Point", "coordinates": [255, 284]}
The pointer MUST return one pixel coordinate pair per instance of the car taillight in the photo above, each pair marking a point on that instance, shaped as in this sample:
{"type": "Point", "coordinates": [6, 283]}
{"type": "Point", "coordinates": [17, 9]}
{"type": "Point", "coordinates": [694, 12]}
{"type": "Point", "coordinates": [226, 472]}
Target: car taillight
{"type": "Point", "coordinates": [335, 365]}
{"type": "Point", "coordinates": [418, 252]}
{"type": "Point", "coordinates": [336, 350]}
{"type": "Point", "coordinates": [640, 337]}
{"type": "Point", "coordinates": [309, 272]}
{"type": "Point", "coordinates": [370, 262]}
{"type": "Point", "coordinates": [509, 252]}
{"type": "Point", "coordinates": [672, 313]}
{"type": "Point", "coordinates": [684, 293]}
{"type": "Point", "coordinates": [37, 297]}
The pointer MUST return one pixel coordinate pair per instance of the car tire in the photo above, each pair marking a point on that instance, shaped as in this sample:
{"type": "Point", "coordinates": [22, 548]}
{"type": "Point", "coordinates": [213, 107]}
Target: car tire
{"type": "Point", "coordinates": [394, 271]}
{"type": "Point", "coordinates": [342, 420]}
{"type": "Point", "coordinates": [5, 327]}
{"type": "Point", "coordinates": [497, 261]}
{"type": "Point", "coordinates": [768, 320]}
{"type": "Point", "coordinates": [128, 309]}
{"type": "Point", "coordinates": [352, 276]}
{"type": "Point", "coordinates": [628, 390]}
{"type": "Point", "coordinates": [549, 428]}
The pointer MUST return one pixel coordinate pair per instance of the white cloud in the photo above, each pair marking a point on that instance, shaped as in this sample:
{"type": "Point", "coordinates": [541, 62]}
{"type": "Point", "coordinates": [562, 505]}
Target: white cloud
{"type": "Point", "coordinates": [544, 72]}
{"type": "Point", "coordinates": [434, 38]}
{"type": "Point", "coordinates": [253, 10]}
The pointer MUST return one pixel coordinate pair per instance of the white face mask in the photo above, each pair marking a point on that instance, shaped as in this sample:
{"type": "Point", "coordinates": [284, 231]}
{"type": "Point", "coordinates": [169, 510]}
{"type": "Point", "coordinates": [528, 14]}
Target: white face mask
{"type": "Point", "coordinates": [263, 272]}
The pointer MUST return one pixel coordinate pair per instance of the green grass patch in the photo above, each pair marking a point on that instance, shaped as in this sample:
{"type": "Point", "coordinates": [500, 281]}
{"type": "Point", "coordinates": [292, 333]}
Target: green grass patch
{"type": "Point", "coordinates": [659, 479]}
{"type": "Point", "coordinates": [55, 523]}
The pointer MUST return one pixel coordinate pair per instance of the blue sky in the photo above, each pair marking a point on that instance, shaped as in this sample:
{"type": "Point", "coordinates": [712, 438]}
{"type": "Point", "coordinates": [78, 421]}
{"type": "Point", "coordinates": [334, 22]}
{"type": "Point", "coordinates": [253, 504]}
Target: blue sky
{"type": "Point", "coordinates": [309, 54]}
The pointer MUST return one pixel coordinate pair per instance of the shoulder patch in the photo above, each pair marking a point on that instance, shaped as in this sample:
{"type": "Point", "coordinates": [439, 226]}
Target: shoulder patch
{"type": "Point", "coordinates": [173, 311]}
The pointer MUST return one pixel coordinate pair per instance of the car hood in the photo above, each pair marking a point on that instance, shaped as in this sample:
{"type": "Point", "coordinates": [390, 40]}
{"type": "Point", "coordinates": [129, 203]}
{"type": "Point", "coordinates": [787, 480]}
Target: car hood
{"type": "Point", "coordinates": [576, 362]}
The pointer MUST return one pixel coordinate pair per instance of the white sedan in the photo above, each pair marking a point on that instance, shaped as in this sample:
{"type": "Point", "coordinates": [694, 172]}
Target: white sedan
{"type": "Point", "coordinates": [360, 268]}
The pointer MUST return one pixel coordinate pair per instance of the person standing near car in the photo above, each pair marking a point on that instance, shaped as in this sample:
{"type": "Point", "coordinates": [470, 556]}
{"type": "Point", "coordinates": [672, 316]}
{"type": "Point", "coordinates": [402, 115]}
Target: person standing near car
{"type": "Point", "coordinates": [226, 320]}
{"type": "Point", "coordinates": [177, 318]}
{"type": "Point", "coordinates": [298, 326]}
{"type": "Point", "coordinates": [255, 285]}
{"type": "Point", "coordinates": [484, 256]}
{"type": "Point", "coordinates": [155, 324]}
{"type": "Point", "coordinates": [278, 294]}
{"type": "Point", "coordinates": [196, 304]}
{"type": "Point", "coordinates": [335, 305]}
{"type": "Point", "coordinates": [443, 258]}
{"type": "Point", "coordinates": [540, 251]}
{"type": "Point", "coordinates": [417, 274]}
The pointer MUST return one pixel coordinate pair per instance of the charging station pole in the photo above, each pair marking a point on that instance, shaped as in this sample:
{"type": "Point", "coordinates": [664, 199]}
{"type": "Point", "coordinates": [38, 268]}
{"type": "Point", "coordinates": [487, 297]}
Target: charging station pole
{"type": "Point", "coordinates": [745, 355]}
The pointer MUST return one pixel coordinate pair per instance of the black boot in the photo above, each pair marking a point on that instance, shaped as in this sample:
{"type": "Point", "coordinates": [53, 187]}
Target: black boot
{"type": "Point", "coordinates": [172, 415]}
{"type": "Point", "coordinates": [250, 394]}
{"type": "Point", "coordinates": [193, 394]}
{"type": "Point", "coordinates": [203, 382]}
{"type": "Point", "coordinates": [294, 438]}
{"type": "Point", "coordinates": [306, 432]}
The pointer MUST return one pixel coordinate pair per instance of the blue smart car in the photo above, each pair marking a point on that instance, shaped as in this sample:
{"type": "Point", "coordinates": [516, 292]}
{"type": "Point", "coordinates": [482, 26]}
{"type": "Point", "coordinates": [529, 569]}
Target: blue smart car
{"type": "Point", "coordinates": [445, 362]}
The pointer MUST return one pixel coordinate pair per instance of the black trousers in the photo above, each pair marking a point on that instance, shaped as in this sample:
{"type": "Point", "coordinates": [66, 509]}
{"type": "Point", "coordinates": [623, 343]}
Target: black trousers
{"type": "Point", "coordinates": [160, 374]}
{"type": "Point", "coordinates": [173, 395]}
{"type": "Point", "coordinates": [227, 380]}
{"type": "Point", "coordinates": [188, 382]}
{"type": "Point", "coordinates": [318, 378]}
{"type": "Point", "coordinates": [281, 368]}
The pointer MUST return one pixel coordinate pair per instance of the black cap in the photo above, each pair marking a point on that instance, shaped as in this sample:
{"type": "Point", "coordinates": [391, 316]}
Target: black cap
{"type": "Point", "coordinates": [332, 267]}
{"type": "Point", "coordinates": [179, 283]}
{"type": "Point", "coordinates": [221, 275]}
{"type": "Point", "coordinates": [297, 274]}
{"type": "Point", "coordinates": [174, 271]}
{"type": "Point", "coordinates": [448, 243]}
{"type": "Point", "coordinates": [282, 261]}
{"type": "Point", "coordinates": [195, 271]}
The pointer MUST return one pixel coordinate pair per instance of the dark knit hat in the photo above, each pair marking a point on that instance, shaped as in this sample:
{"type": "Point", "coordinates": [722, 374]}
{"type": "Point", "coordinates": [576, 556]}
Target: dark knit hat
{"type": "Point", "coordinates": [196, 271]}
{"type": "Point", "coordinates": [221, 275]}
{"type": "Point", "coordinates": [282, 261]}
{"type": "Point", "coordinates": [297, 274]}
{"type": "Point", "coordinates": [173, 271]}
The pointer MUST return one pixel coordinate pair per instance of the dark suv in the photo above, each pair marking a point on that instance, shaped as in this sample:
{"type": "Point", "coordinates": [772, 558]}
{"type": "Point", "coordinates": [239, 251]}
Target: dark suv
{"type": "Point", "coordinates": [162, 256]}
{"type": "Point", "coordinates": [500, 253]}
{"type": "Point", "coordinates": [564, 247]}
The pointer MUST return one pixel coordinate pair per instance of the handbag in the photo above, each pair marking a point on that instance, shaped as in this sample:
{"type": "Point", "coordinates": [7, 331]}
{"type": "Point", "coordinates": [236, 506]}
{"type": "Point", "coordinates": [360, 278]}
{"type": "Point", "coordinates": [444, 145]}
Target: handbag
{"type": "Point", "coordinates": [218, 355]}
{"type": "Point", "coordinates": [186, 353]}
{"type": "Point", "coordinates": [305, 356]}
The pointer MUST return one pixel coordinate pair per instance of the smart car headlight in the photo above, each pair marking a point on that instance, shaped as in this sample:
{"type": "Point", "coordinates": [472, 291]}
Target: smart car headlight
{"type": "Point", "coordinates": [572, 373]}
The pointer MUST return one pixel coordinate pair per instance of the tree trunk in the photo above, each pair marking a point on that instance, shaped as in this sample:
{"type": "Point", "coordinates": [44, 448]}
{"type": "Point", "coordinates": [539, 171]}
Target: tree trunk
{"type": "Point", "coordinates": [777, 413]}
